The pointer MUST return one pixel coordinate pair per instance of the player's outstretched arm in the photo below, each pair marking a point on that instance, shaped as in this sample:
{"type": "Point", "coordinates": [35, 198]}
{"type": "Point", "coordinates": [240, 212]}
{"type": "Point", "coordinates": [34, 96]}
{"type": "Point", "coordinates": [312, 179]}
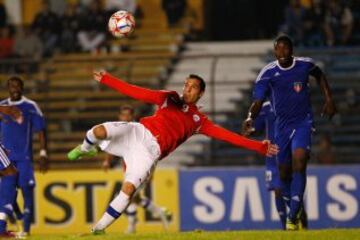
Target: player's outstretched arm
{"type": "Point", "coordinates": [215, 131]}
{"type": "Point", "coordinates": [133, 91]}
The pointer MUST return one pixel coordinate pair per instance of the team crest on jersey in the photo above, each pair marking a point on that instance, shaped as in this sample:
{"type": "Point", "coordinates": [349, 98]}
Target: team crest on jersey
{"type": "Point", "coordinates": [297, 86]}
{"type": "Point", "coordinates": [196, 117]}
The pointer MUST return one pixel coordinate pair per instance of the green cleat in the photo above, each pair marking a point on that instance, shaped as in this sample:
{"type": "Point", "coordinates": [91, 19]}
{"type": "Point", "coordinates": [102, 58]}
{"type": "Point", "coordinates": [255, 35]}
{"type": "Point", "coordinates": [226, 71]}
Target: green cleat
{"type": "Point", "coordinates": [76, 153]}
{"type": "Point", "coordinates": [97, 232]}
{"type": "Point", "coordinates": [290, 225]}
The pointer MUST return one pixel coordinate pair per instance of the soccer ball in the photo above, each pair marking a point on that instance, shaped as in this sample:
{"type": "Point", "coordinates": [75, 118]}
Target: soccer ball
{"type": "Point", "coordinates": [121, 24]}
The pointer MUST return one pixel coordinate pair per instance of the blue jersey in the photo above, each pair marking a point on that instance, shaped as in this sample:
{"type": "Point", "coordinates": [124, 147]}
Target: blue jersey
{"type": "Point", "coordinates": [17, 138]}
{"type": "Point", "coordinates": [287, 90]}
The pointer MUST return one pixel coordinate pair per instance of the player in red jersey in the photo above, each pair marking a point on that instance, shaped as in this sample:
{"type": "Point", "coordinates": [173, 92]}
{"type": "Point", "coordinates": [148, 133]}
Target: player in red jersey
{"type": "Point", "coordinates": [143, 144]}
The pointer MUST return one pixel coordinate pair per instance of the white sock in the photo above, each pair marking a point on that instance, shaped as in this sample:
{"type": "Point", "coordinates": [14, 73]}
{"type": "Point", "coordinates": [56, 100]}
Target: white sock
{"type": "Point", "coordinates": [90, 141]}
{"type": "Point", "coordinates": [116, 207]}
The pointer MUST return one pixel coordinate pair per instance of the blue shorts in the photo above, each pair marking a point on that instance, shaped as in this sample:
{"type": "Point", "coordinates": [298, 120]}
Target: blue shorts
{"type": "Point", "coordinates": [4, 160]}
{"type": "Point", "coordinates": [272, 177]}
{"type": "Point", "coordinates": [292, 138]}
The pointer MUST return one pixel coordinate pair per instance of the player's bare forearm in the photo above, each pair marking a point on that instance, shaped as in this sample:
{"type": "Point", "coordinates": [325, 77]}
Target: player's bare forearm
{"type": "Point", "coordinates": [43, 164]}
{"type": "Point", "coordinates": [329, 106]}
{"type": "Point", "coordinates": [255, 109]}
{"type": "Point", "coordinates": [247, 125]}
{"type": "Point", "coordinates": [325, 88]}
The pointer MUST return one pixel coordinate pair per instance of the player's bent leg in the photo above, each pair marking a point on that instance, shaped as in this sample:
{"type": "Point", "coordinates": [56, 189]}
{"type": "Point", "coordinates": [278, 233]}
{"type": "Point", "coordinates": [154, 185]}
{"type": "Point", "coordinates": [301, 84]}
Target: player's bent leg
{"type": "Point", "coordinates": [156, 211]}
{"type": "Point", "coordinates": [131, 213]}
{"type": "Point", "coordinates": [298, 183]}
{"type": "Point", "coordinates": [8, 194]}
{"type": "Point", "coordinates": [285, 173]}
{"type": "Point", "coordinates": [116, 207]}
{"type": "Point", "coordinates": [28, 194]}
{"type": "Point", "coordinates": [88, 147]}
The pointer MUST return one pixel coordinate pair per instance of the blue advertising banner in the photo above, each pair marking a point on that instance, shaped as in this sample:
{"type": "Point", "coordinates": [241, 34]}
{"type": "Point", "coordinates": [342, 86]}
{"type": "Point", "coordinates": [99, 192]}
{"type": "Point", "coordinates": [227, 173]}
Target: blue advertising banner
{"type": "Point", "coordinates": [236, 198]}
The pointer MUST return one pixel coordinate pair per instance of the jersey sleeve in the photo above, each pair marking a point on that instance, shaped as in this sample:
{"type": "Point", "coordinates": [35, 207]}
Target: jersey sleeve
{"type": "Point", "coordinates": [314, 70]}
{"type": "Point", "coordinates": [143, 94]}
{"type": "Point", "coordinates": [210, 129]}
{"type": "Point", "coordinates": [37, 119]}
{"type": "Point", "coordinates": [261, 87]}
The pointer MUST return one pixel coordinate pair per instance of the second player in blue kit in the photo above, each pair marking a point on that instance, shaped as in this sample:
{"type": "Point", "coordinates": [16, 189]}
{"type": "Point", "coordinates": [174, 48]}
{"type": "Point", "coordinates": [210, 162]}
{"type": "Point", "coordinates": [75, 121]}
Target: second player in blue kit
{"type": "Point", "coordinates": [285, 82]}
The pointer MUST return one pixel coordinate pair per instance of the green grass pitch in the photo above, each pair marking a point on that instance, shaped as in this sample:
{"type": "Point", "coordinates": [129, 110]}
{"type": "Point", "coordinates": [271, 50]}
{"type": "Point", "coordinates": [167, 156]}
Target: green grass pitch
{"type": "Point", "coordinates": [326, 234]}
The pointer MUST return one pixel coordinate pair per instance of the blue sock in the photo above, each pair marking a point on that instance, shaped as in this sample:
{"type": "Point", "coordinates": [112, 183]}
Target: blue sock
{"type": "Point", "coordinates": [27, 220]}
{"type": "Point", "coordinates": [2, 226]}
{"type": "Point", "coordinates": [298, 184]}
{"type": "Point", "coordinates": [285, 191]}
{"type": "Point", "coordinates": [281, 208]}
{"type": "Point", "coordinates": [28, 194]}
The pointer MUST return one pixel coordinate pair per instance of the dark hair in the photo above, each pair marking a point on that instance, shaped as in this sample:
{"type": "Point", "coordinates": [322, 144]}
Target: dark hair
{"type": "Point", "coordinates": [200, 79]}
{"type": "Point", "coordinates": [285, 39]}
{"type": "Point", "coordinates": [17, 79]}
{"type": "Point", "coordinates": [127, 108]}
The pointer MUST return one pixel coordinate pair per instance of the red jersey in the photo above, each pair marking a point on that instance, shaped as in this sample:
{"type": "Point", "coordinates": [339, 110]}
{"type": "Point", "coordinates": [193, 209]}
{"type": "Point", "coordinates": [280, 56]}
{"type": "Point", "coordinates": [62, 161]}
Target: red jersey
{"type": "Point", "coordinates": [174, 121]}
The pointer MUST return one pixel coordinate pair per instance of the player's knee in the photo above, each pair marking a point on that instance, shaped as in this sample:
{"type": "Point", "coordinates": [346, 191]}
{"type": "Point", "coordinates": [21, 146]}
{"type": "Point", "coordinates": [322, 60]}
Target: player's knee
{"type": "Point", "coordinates": [128, 188]}
{"type": "Point", "coordinates": [284, 172]}
{"type": "Point", "coordinates": [299, 161]}
{"type": "Point", "coordinates": [100, 132]}
{"type": "Point", "coordinates": [277, 192]}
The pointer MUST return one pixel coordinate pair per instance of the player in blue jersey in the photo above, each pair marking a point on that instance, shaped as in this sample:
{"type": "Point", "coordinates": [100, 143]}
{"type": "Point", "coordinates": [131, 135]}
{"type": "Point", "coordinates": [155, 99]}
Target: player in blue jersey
{"type": "Point", "coordinates": [17, 139]}
{"type": "Point", "coordinates": [6, 167]}
{"type": "Point", "coordinates": [285, 83]}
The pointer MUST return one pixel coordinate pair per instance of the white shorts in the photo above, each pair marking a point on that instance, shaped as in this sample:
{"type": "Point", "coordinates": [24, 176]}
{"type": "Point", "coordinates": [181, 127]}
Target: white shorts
{"type": "Point", "coordinates": [136, 145]}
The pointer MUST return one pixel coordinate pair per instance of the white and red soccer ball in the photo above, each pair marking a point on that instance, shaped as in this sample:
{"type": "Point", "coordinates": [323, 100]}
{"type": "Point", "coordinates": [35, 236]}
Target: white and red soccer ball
{"type": "Point", "coordinates": [121, 24]}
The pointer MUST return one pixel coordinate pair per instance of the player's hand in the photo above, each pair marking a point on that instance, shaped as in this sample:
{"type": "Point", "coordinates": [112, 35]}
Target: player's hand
{"type": "Point", "coordinates": [329, 109]}
{"type": "Point", "coordinates": [43, 164]}
{"type": "Point", "coordinates": [247, 127]}
{"type": "Point", "coordinates": [272, 149]}
{"type": "Point", "coordinates": [106, 165]}
{"type": "Point", "coordinates": [98, 74]}
{"type": "Point", "coordinates": [14, 113]}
